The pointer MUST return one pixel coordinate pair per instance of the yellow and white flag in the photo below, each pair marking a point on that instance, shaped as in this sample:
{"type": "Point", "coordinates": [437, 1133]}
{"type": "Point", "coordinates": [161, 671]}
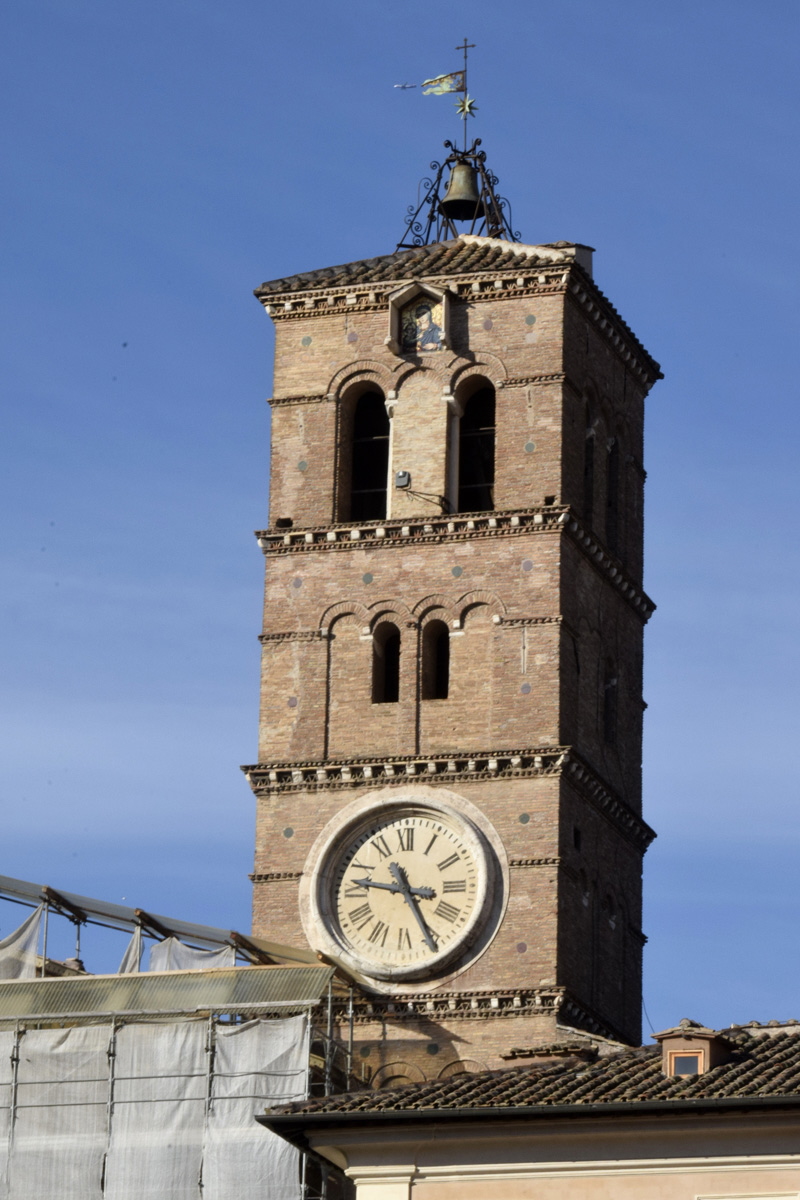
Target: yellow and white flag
{"type": "Point", "coordinates": [442, 84]}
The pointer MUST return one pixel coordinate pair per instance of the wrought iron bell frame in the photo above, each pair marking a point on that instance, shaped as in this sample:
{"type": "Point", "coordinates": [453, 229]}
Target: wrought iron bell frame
{"type": "Point", "coordinates": [493, 213]}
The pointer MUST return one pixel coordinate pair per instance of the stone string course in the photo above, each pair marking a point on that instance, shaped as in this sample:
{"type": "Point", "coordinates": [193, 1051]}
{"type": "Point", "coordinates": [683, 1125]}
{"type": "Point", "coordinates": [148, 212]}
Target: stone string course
{"type": "Point", "coordinates": [555, 519]}
{"type": "Point", "coordinates": [270, 778]}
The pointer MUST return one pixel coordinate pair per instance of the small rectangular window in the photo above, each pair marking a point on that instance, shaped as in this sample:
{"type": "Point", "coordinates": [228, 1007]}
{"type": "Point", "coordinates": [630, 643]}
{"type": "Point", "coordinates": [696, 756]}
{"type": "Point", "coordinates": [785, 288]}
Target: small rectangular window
{"type": "Point", "coordinates": [685, 1064]}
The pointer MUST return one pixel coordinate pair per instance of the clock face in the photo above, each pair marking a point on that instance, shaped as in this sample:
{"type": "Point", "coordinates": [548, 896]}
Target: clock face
{"type": "Point", "coordinates": [404, 890]}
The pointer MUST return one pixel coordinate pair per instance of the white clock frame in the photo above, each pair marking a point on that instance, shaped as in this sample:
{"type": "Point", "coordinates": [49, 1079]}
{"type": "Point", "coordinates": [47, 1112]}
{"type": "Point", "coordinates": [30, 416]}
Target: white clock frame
{"type": "Point", "coordinates": [317, 903]}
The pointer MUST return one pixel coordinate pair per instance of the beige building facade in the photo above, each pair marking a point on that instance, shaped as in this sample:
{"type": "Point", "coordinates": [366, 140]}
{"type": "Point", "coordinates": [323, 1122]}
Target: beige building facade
{"type": "Point", "coordinates": [621, 1127]}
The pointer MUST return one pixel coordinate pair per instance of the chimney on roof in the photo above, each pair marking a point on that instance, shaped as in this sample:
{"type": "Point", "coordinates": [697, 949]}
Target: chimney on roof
{"type": "Point", "coordinates": [691, 1049]}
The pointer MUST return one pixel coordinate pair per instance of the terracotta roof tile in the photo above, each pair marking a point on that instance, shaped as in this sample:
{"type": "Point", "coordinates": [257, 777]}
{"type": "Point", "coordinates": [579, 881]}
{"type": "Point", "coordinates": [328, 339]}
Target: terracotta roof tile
{"type": "Point", "coordinates": [760, 1064]}
{"type": "Point", "coordinates": [439, 258]}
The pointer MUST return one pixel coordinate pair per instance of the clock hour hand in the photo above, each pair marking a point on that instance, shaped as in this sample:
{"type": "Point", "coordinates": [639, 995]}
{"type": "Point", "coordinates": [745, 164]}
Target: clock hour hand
{"type": "Point", "coordinates": [406, 892]}
{"type": "Point", "coordinates": [427, 893]}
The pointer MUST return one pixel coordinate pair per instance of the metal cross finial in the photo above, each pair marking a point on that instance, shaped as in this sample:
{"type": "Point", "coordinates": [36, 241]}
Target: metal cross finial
{"type": "Point", "coordinates": [465, 111]}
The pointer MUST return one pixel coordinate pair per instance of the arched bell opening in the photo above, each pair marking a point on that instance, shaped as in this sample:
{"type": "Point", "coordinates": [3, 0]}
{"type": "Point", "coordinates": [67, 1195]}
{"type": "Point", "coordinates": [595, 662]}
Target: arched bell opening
{"type": "Point", "coordinates": [369, 473]}
{"type": "Point", "coordinates": [476, 447]}
{"type": "Point", "coordinates": [386, 664]}
{"type": "Point", "coordinates": [435, 661]}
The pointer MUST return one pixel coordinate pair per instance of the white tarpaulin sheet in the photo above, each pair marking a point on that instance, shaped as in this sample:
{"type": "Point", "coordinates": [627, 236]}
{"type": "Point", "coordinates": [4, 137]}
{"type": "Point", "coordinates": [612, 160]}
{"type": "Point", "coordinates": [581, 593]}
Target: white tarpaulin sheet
{"type": "Point", "coordinates": [239, 1159]}
{"type": "Point", "coordinates": [132, 958]}
{"type": "Point", "coordinates": [18, 950]}
{"type": "Point", "coordinates": [161, 1111]}
{"type": "Point", "coordinates": [60, 1118]}
{"type": "Point", "coordinates": [172, 955]}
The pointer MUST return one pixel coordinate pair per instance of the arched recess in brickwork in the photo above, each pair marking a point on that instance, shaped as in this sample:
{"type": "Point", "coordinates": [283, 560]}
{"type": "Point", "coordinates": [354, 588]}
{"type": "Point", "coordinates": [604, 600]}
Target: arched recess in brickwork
{"type": "Point", "coordinates": [364, 370]}
{"type": "Point", "coordinates": [488, 367]}
{"type": "Point", "coordinates": [343, 609]}
{"type": "Point", "coordinates": [462, 1066]}
{"type": "Point", "coordinates": [390, 610]}
{"type": "Point", "coordinates": [437, 604]}
{"type": "Point", "coordinates": [592, 436]}
{"type": "Point", "coordinates": [470, 600]}
{"type": "Point", "coordinates": [609, 953]}
{"type": "Point", "coordinates": [617, 491]}
{"type": "Point", "coordinates": [349, 681]}
{"type": "Point", "coordinates": [396, 1074]}
{"type": "Point", "coordinates": [466, 719]}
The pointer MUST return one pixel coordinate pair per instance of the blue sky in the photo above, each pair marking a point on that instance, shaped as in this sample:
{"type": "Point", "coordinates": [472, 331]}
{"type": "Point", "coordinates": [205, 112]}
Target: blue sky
{"type": "Point", "coordinates": [163, 159]}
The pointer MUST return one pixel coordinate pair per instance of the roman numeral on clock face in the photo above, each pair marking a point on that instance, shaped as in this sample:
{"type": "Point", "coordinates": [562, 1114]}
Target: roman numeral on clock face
{"type": "Point", "coordinates": [406, 839]}
{"type": "Point", "coordinates": [382, 846]}
{"type": "Point", "coordinates": [448, 862]}
{"type": "Point", "coordinates": [354, 891]}
{"type": "Point", "coordinates": [454, 885]}
{"type": "Point", "coordinates": [447, 911]}
{"type": "Point", "coordinates": [378, 934]}
{"type": "Point", "coordinates": [403, 939]}
{"type": "Point", "coordinates": [360, 916]}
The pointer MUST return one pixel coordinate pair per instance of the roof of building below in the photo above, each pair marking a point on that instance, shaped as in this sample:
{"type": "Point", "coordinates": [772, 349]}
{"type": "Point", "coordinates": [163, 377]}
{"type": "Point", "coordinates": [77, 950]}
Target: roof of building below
{"type": "Point", "coordinates": [764, 1062]}
{"type": "Point", "coordinates": [463, 255]}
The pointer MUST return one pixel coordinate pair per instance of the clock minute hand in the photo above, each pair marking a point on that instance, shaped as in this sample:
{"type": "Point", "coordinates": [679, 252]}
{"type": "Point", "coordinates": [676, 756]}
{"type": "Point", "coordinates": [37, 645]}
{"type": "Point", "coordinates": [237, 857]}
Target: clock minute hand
{"type": "Point", "coordinates": [427, 893]}
{"type": "Point", "coordinates": [406, 892]}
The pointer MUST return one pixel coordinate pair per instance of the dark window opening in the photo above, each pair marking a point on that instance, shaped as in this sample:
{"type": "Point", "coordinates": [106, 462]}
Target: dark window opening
{"type": "Point", "coordinates": [610, 706]}
{"type": "Point", "coordinates": [686, 1064]}
{"type": "Point", "coordinates": [576, 837]}
{"type": "Point", "coordinates": [588, 480]}
{"type": "Point", "coordinates": [370, 459]}
{"type": "Point", "coordinates": [476, 453]}
{"type": "Point", "coordinates": [386, 664]}
{"type": "Point", "coordinates": [612, 497]}
{"type": "Point", "coordinates": [549, 500]}
{"type": "Point", "coordinates": [435, 661]}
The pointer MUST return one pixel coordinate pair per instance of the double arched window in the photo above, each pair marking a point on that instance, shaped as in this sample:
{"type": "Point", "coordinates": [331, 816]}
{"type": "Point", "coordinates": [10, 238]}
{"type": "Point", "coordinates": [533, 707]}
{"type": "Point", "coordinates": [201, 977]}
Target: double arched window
{"type": "Point", "coordinates": [435, 662]}
{"type": "Point", "coordinates": [370, 466]}
{"type": "Point", "coordinates": [476, 453]}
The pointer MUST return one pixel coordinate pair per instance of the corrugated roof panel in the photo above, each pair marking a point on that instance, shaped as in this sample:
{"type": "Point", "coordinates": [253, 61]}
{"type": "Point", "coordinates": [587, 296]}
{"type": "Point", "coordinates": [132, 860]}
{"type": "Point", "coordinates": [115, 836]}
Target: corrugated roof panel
{"type": "Point", "coordinates": [165, 991]}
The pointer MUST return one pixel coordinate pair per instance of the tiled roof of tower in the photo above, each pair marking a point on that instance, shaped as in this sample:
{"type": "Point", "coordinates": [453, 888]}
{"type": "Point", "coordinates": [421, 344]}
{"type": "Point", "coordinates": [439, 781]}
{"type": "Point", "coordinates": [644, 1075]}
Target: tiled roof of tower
{"type": "Point", "coordinates": [762, 1064]}
{"type": "Point", "coordinates": [440, 259]}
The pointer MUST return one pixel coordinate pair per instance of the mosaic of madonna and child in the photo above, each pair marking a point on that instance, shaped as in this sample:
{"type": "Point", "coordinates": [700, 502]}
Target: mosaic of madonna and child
{"type": "Point", "coordinates": [421, 323]}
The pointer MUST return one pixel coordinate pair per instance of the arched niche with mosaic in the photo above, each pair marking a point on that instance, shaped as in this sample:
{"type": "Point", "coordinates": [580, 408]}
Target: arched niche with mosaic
{"type": "Point", "coordinates": [419, 320]}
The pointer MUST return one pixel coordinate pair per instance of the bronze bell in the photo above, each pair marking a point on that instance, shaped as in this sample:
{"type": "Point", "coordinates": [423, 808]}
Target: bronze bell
{"type": "Point", "coordinates": [462, 200]}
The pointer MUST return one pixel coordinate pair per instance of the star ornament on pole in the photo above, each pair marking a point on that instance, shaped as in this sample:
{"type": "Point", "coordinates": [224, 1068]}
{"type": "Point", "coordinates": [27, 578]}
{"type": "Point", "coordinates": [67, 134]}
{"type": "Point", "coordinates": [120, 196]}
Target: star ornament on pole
{"type": "Point", "coordinates": [466, 107]}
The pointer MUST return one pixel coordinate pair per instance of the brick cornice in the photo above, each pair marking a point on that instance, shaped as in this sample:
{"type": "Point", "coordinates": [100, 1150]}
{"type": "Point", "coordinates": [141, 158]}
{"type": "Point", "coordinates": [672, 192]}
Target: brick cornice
{"type": "Point", "coordinates": [459, 527]}
{"type": "Point", "coordinates": [273, 876]}
{"type": "Point", "coordinates": [405, 531]}
{"type": "Point", "coordinates": [281, 401]}
{"type": "Point", "coordinates": [293, 635]}
{"type": "Point", "coordinates": [588, 297]}
{"type": "Point", "coordinates": [269, 779]}
{"type": "Point", "coordinates": [610, 805]}
{"type": "Point", "coordinates": [503, 1003]}
{"type": "Point", "coordinates": [266, 778]}
{"type": "Point", "coordinates": [369, 297]}
{"type": "Point", "coordinates": [534, 862]}
{"type": "Point", "coordinates": [535, 380]}
{"type": "Point", "coordinates": [470, 1006]}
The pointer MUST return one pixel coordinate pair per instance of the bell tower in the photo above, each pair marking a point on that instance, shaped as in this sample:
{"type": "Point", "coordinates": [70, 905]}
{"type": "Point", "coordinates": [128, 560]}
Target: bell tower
{"type": "Point", "coordinates": [449, 776]}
